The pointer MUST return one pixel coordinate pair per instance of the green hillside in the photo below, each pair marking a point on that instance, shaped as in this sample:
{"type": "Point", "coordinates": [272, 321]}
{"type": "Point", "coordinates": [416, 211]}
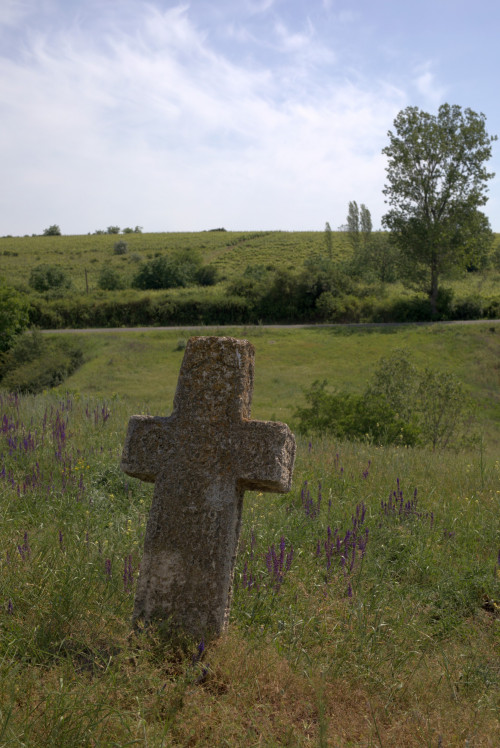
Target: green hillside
{"type": "Point", "coordinates": [229, 251]}
{"type": "Point", "coordinates": [254, 277]}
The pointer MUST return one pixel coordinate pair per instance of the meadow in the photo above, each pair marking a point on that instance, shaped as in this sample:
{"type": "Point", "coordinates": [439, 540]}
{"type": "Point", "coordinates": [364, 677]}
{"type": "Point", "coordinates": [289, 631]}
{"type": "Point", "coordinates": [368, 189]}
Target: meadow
{"type": "Point", "coordinates": [366, 601]}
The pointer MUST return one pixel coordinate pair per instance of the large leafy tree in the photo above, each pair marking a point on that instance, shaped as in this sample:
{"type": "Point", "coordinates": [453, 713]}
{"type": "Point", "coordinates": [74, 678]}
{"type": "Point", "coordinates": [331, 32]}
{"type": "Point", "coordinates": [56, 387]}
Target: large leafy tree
{"type": "Point", "coordinates": [436, 183]}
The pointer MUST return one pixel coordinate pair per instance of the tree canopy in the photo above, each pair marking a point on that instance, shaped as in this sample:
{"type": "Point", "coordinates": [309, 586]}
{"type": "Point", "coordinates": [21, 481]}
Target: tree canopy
{"type": "Point", "coordinates": [53, 230]}
{"type": "Point", "coordinates": [436, 183]}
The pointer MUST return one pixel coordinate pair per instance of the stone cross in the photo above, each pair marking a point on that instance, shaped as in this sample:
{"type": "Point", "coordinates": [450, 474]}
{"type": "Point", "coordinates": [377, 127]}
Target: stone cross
{"type": "Point", "coordinates": [202, 459]}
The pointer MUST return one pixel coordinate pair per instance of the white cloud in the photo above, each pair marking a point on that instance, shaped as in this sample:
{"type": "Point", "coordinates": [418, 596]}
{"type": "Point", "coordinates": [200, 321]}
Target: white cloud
{"type": "Point", "coordinates": [427, 86]}
{"type": "Point", "coordinates": [13, 11]}
{"type": "Point", "coordinates": [259, 6]}
{"type": "Point", "coordinates": [155, 125]}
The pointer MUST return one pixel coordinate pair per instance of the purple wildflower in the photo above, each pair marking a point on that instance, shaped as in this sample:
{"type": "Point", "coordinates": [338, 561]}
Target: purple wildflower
{"type": "Point", "coordinates": [24, 549]}
{"type": "Point", "coordinates": [278, 566]}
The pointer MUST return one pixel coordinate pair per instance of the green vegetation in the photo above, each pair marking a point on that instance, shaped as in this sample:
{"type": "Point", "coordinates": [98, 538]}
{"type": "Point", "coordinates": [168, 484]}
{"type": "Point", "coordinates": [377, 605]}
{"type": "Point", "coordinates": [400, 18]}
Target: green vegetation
{"type": "Point", "coordinates": [401, 405]}
{"type": "Point", "coordinates": [14, 316]}
{"type": "Point", "coordinates": [35, 363]}
{"type": "Point", "coordinates": [437, 181]}
{"type": "Point", "coordinates": [176, 271]}
{"type": "Point", "coordinates": [221, 277]}
{"type": "Point", "coordinates": [53, 230]}
{"type": "Point", "coordinates": [49, 278]}
{"type": "Point", "coordinates": [349, 625]}
{"type": "Point", "coordinates": [142, 366]}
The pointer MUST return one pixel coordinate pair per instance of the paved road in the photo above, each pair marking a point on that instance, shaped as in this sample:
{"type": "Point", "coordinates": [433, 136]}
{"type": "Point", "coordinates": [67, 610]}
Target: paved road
{"type": "Point", "coordinates": [355, 325]}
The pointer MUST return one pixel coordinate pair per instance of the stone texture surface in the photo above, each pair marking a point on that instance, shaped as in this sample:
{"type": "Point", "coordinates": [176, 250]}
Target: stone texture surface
{"type": "Point", "coordinates": [202, 458]}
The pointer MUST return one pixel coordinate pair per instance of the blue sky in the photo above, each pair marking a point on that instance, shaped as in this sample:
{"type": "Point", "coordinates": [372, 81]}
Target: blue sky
{"type": "Point", "coordinates": [247, 114]}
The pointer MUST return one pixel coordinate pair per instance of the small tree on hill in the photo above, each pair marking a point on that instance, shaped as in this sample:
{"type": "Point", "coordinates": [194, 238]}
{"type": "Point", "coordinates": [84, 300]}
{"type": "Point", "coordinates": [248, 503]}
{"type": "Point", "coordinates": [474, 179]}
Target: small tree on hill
{"type": "Point", "coordinates": [53, 230]}
{"type": "Point", "coordinates": [365, 222]}
{"type": "Point", "coordinates": [359, 224]}
{"type": "Point", "coordinates": [328, 239]}
{"type": "Point", "coordinates": [353, 224]}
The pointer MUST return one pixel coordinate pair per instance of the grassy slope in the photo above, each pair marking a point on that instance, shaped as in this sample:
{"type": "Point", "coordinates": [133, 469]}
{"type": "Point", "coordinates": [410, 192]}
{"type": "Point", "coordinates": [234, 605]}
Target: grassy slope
{"type": "Point", "coordinates": [229, 251]}
{"type": "Point", "coordinates": [143, 366]}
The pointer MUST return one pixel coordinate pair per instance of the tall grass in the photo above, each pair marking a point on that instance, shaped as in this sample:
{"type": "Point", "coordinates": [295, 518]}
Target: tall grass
{"type": "Point", "coordinates": [365, 608]}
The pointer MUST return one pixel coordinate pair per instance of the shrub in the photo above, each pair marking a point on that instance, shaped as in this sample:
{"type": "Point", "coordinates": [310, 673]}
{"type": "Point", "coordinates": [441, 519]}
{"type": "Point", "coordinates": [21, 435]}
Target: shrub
{"type": "Point", "coordinates": [176, 271]}
{"type": "Point", "coordinates": [414, 309]}
{"type": "Point", "coordinates": [492, 309]}
{"type": "Point", "coordinates": [356, 417]}
{"type": "Point", "coordinates": [110, 279]}
{"type": "Point", "coordinates": [113, 230]}
{"type": "Point", "coordinates": [281, 298]}
{"type": "Point", "coordinates": [48, 278]}
{"type": "Point", "coordinates": [321, 274]}
{"type": "Point", "coordinates": [120, 248]}
{"type": "Point", "coordinates": [207, 275]}
{"type": "Point", "coordinates": [401, 405]}
{"type": "Point", "coordinates": [435, 401]}
{"type": "Point", "coordinates": [469, 308]}
{"type": "Point", "coordinates": [332, 308]}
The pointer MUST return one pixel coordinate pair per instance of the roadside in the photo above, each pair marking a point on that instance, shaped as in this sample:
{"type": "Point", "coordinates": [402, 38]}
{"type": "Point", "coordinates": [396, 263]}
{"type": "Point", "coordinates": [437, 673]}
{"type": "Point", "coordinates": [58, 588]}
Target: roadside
{"type": "Point", "coordinates": [357, 325]}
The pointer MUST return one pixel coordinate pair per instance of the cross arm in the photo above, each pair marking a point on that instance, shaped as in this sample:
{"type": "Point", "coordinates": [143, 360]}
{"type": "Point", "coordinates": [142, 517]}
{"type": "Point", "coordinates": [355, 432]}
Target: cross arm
{"type": "Point", "coordinates": [146, 447]}
{"type": "Point", "coordinates": [267, 456]}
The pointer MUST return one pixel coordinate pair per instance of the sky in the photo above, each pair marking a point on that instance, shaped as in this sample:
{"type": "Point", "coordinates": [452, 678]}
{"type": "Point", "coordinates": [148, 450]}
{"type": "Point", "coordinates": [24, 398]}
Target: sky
{"type": "Point", "coordinates": [242, 114]}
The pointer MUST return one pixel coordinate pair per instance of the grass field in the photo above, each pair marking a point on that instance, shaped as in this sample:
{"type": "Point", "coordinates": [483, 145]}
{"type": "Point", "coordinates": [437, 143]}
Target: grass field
{"type": "Point", "coordinates": [83, 257]}
{"type": "Point", "coordinates": [142, 367]}
{"type": "Point", "coordinates": [382, 630]}
{"type": "Point", "coordinates": [229, 251]}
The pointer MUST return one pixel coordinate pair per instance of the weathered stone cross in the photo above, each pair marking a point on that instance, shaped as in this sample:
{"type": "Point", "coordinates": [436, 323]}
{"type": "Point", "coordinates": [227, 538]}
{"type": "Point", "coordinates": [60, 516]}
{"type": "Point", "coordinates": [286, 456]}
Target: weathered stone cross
{"type": "Point", "coordinates": [202, 459]}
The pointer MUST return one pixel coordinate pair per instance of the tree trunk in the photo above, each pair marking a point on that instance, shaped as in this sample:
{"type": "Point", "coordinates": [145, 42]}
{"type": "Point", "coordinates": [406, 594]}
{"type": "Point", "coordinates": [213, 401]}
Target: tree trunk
{"type": "Point", "coordinates": [433, 294]}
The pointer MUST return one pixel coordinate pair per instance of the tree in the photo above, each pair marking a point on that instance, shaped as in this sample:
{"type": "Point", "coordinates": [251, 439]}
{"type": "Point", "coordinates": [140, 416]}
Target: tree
{"type": "Point", "coordinates": [359, 225]}
{"type": "Point", "coordinates": [53, 230]}
{"type": "Point", "coordinates": [110, 279]}
{"type": "Point", "coordinates": [437, 180]}
{"type": "Point", "coordinates": [48, 278]}
{"type": "Point", "coordinates": [353, 224]}
{"type": "Point", "coordinates": [328, 239]}
{"type": "Point", "coordinates": [365, 222]}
